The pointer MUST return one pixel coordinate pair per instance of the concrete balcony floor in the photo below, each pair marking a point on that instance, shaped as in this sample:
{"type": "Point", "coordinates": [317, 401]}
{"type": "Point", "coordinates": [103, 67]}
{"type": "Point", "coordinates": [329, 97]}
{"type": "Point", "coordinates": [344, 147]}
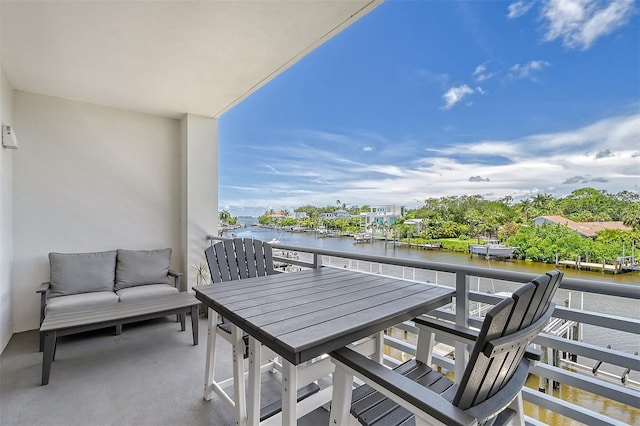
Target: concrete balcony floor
{"type": "Point", "coordinates": [149, 375]}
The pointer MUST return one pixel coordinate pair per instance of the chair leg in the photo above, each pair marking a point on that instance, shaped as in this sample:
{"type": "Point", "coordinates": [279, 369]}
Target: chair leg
{"type": "Point", "coordinates": [424, 347]}
{"type": "Point", "coordinates": [253, 403]}
{"type": "Point", "coordinates": [274, 364]}
{"type": "Point", "coordinates": [378, 354]}
{"type": "Point", "coordinates": [239, 390]}
{"type": "Point", "coordinates": [517, 406]}
{"type": "Point", "coordinates": [341, 399]}
{"type": "Point", "coordinates": [211, 354]}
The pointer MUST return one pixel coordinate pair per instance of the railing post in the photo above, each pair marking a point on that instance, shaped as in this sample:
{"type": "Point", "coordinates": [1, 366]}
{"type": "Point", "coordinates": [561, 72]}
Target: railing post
{"type": "Point", "coordinates": [462, 319]}
{"type": "Point", "coordinates": [317, 260]}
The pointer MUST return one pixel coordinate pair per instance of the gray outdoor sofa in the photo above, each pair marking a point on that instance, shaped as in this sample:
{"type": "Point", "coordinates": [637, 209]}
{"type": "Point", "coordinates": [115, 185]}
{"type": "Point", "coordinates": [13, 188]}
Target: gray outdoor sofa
{"type": "Point", "coordinates": [82, 281]}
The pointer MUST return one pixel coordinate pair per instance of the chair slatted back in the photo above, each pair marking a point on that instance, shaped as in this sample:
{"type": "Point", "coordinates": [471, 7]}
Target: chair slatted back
{"type": "Point", "coordinates": [507, 330]}
{"type": "Point", "coordinates": [239, 258]}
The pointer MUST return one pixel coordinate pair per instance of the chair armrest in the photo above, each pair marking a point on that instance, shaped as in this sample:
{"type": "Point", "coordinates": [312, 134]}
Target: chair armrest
{"type": "Point", "coordinates": [177, 278]}
{"type": "Point", "coordinates": [44, 293]}
{"type": "Point", "coordinates": [451, 330]}
{"type": "Point", "coordinates": [402, 390]}
{"type": "Point", "coordinates": [533, 354]}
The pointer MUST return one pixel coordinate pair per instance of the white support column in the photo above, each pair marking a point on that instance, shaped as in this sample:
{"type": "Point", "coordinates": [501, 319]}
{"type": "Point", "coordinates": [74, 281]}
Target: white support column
{"type": "Point", "coordinates": [199, 213]}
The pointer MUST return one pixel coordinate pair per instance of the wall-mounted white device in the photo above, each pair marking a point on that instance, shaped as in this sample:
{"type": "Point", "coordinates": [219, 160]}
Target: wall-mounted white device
{"type": "Point", "coordinates": [9, 139]}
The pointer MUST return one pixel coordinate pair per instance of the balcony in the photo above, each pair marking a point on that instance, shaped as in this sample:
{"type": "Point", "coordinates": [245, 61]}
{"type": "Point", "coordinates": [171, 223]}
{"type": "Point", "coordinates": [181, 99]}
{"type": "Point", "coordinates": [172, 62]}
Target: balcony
{"type": "Point", "coordinates": [152, 375]}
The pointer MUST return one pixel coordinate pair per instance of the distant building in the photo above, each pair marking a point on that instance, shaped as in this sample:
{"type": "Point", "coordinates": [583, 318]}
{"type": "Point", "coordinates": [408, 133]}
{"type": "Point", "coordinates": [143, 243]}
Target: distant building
{"type": "Point", "coordinates": [299, 215]}
{"type": "Point", "coordinates": [280, 214]}
{"type": "Point", "coordinates": [338, 214]}
{"type": "Point", "coordinates": [416, 222]}
{"type": "Point", "coordinates": [584, 229]}
{"type": "Point", "coordinates": [383, 214]}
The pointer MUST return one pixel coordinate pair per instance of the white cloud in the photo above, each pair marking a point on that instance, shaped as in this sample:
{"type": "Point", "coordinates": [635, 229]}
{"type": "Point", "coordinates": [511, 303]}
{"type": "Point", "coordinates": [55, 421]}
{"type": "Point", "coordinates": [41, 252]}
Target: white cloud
{"type": "Point", "coordinates": [518, 9]}
{"type": "Point", "coordinates": [455, 95]}
{"type": "Point", "coordinates": [527, 70]}
{"type": "Point", "coordinates": [579, 23]}
{"type": "Point", "coordinates": [507, 149]}
{"type": "Point", "coordinates": [480, 74]}
{"type": "Point", "coordinates": [602, 154]}
{"type": "Point", "coordinates": [367, 149]}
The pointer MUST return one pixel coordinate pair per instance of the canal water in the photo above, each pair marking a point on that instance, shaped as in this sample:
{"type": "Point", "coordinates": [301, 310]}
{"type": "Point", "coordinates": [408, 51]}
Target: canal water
{"type": "Point", "coordinates": [622, 341]}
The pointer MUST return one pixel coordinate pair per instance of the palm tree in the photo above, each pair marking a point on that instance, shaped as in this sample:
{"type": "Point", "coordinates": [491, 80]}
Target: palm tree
{"type": "Point", "coordinates": [631, 216]}
{"type": "Point", "coordinates": [224, 216]}
{"type": "Point", "coordinates": [542, 201]}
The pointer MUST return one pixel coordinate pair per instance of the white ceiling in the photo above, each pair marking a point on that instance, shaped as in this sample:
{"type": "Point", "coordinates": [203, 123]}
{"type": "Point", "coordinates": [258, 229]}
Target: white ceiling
{"type": "Point", "coordinates": [164, 58]}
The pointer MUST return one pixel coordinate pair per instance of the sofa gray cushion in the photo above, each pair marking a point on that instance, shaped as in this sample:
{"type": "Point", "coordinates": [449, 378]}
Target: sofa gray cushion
{"type": "Point", "coordinates": [74, 302]}
{"type": "Point", "coordinates": [73, 273]}
{"type": "Point", "coordinates": [144, 292]}
{"type": "Point", "coordinates": [142, 267]}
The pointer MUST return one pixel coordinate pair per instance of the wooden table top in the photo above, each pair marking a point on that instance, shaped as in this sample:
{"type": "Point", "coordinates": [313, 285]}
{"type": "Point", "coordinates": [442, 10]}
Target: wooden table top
{"type": "Point", "coordinates": [301, 315]}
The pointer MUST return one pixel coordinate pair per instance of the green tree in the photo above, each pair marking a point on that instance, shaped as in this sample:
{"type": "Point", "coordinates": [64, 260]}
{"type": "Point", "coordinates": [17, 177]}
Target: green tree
{"type": "Point", "coordinates": [589, 205]}
{"type": "Point", "coordinates": [631, 216]}
{"type": "Point", "coordinates": [474, 218]}
{"type": "Point", "coordinates": [288, 221]}
{"type": "Point", "coordinates": [224, 216]}
{"type": "Point", "coordinates": [508, 230]}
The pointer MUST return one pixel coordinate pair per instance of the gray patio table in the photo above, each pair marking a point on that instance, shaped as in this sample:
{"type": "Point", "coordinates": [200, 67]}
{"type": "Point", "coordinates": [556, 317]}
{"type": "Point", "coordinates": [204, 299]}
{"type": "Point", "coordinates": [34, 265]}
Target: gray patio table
{"type": "Point", "coordinates": [302, 315]}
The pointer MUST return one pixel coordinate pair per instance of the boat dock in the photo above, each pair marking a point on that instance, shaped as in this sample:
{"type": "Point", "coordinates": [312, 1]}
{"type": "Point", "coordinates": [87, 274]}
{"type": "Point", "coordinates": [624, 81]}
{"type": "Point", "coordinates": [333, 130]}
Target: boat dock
{"type": "Point", "coordinates": [622, 264]}
{"type": "Point", "coordinates": [425, 246]}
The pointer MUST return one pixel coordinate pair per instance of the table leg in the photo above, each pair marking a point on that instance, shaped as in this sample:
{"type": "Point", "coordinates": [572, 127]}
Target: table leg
{"type": "Point", "coordinates": [253, 403]}
{"type": "Point", "coordinates": [239, 394]}
{"type": "Point", "coordinates": [289, 393]}
{"type": "Point", "coordinates": [47, 355]}
{"type": "Point", "coordinates": [194, 324]}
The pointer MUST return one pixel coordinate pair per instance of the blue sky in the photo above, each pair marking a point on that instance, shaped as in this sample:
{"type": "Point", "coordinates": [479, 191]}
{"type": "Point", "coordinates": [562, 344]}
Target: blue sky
{"type": "Point", "coordinates": [423, 99]}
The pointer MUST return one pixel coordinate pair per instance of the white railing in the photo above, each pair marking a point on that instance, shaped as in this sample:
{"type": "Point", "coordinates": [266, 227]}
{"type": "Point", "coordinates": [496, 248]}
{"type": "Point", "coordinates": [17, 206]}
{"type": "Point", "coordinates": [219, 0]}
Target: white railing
{"type": "Point", "coordinates": [625, 392]}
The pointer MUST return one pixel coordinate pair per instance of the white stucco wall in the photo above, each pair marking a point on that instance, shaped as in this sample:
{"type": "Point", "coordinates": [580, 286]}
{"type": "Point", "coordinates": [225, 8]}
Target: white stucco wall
{"type": "Point", "coordinates": [200, 189]}
{"type": "Point", "coordinates": [6, 230]}
{"type": "Point", "coordinates": [89, 178]}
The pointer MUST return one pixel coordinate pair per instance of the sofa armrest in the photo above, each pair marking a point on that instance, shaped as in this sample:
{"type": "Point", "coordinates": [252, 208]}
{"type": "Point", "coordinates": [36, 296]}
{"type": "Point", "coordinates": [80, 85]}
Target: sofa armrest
{"type": "Point", "coordinates": [177, 279]}
{"type": "Point", "coordinates": [44, 293]}
{"type": "Point", "coordinates": [44, 287]}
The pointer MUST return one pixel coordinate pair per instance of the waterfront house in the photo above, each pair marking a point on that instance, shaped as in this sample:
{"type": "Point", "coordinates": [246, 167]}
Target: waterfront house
{"type": "Point", "coordinates": [386, 214]}
{"type": "Point", "coordinates": [338, 214]}
{"type": "Point", "coordinates": [584, 229]}
{"type": "Point", "coordinates": [416, 223]}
